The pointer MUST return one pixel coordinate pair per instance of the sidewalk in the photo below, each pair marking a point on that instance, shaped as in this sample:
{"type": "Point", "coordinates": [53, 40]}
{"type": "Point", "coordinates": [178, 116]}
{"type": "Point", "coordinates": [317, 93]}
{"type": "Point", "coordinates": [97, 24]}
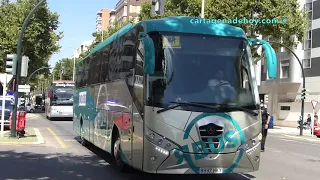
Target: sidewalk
{"type": "Point", "coordinates": [32, 136]}
{"type": "Point", "coordinates": [293, 133]}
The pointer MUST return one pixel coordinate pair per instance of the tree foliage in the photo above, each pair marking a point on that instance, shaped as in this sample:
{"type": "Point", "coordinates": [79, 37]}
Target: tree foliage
{"type": "Point", "coordinates": [67, 65]}
{"type": "Point", "coordinates": [295, 25]}
{"type": "Point", "coordinates": [40, 38]}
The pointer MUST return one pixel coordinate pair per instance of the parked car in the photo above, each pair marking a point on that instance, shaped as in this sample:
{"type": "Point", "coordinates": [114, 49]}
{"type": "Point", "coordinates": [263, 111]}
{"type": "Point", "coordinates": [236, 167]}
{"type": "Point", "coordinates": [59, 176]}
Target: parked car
{"type": "Point", "coordinates": [317, 131]}
{"type": "Point", "coordinates": [31, 108]}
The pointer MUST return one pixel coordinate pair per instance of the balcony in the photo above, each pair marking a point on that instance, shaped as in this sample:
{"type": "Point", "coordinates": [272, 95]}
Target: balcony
{"type": "Point", "coordinates": [296, 97]}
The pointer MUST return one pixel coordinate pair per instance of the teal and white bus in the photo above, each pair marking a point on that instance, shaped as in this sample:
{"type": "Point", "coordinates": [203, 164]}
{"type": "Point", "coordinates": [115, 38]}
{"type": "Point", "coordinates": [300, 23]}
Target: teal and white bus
{"type": "Point", "coordinates": [182, 100]}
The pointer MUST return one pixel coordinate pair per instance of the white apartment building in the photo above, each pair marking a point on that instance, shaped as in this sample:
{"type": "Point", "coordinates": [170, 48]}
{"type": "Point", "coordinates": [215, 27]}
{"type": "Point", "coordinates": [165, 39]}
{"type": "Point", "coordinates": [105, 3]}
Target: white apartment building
{"type": "Point", "coordinates": [282, 95]}
{"type": "Point", "coordinates": [112, 17]}
{"type": "Point", "coordinates": [82, 48]}
{"type": "Point", "coordinates": [128, 9]}
{"type": "Point", "coordinates": [102, 19]}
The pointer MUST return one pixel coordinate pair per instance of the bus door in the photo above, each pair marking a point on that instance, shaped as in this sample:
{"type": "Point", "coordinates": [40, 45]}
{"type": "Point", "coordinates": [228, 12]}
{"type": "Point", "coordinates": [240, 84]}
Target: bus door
{"type": "Point", "coordinates": [138, 112]}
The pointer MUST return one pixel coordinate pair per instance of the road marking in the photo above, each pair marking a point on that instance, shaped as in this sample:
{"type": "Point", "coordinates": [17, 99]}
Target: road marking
{"type": "Point", "coordinates": [39, 136]}
{"type": "Point", "coordinates": [288, 140]}
{"type": "Point", "coordinates": [312, 144]}
{"type": "Point", "coordinates": [62, 144]}
{"type": "Point", "coordinates": [274, 150]}
{"type": "Point", "coordinates": [70, 140]}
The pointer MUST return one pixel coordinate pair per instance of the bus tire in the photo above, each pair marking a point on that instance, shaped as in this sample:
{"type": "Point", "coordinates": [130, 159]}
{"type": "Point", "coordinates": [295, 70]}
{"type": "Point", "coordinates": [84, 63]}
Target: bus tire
{"type": "Point", "coordinates": [83, 141]}
{"type": "Point", "coordinates": [116, 152]}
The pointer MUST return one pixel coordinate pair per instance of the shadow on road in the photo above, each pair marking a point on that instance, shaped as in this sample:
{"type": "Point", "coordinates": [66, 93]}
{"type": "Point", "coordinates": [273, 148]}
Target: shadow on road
{"type": "Point", "coordinates": [137, 175]}
{"type": "Point", "coordinates": [29, 165]}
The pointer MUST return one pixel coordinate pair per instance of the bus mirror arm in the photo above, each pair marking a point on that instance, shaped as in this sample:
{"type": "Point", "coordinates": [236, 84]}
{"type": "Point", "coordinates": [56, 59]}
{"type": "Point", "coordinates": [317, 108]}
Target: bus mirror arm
{"type": "Point", "coordinates": [270, 54]}
{"type": "Point", "coordinates": [149, 53]}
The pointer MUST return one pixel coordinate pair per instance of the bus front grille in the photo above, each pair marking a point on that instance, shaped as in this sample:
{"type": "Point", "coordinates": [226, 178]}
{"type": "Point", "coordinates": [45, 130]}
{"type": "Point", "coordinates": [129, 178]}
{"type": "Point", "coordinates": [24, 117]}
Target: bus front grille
{"type": "Point", "coordinates": [210, 131]}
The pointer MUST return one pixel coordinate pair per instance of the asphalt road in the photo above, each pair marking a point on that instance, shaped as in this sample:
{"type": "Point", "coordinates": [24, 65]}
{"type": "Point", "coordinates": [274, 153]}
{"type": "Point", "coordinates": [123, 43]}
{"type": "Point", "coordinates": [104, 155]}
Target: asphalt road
{"type": "Point", "coordinates": [62, 157]}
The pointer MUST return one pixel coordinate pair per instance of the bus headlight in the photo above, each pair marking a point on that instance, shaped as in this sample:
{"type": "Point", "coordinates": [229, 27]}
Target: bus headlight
{"type": "Point", "coordinates": [164, 145]}
{"type": "Point", "coordinates": [251, 145]}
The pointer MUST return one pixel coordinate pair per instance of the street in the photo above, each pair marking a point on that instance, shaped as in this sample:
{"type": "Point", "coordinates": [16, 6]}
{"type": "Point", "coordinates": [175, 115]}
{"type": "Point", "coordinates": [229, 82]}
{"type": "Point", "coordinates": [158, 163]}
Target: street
{"type": "Point", "coordinates": [63, 157]}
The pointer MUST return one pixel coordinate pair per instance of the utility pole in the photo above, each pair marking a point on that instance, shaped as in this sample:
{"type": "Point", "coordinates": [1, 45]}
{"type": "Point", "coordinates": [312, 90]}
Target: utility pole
{"type": "Point", "coordinates": [61, 72]}
{"type": "Point", "coordinates": [202, 8]}
{"type": "Point", "coordinates": [19, 56]}
{"type": "Point", "coordinates": [303, 92]}
{"type": "Point", "coordinates": [74, 66]}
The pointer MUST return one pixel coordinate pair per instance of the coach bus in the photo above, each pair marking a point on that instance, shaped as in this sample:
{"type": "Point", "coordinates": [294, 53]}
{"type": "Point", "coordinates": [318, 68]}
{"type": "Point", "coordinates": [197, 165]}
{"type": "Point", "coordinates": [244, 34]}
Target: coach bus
{"type": "Point", "coordinates": [59, 100]}
{"type": "Point", "coordinates": [185, 102]}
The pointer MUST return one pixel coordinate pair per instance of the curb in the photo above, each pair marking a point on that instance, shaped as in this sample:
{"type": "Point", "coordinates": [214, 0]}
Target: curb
{"type": "Point", "coordinates": [304, 138]}
{"type": "Point", "coordinates": [37, 133]}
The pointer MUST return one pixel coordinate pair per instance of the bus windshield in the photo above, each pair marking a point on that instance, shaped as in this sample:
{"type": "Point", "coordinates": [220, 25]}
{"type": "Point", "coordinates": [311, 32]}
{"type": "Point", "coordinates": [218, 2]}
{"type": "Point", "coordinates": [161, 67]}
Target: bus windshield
{"type": "Point", "coordinates": [201, 69]}
{"type": "Point", "coordinates": [63, 95]}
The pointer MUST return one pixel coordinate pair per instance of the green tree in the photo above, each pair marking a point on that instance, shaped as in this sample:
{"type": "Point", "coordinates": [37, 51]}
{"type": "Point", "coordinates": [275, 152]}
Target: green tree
{"type": "Point", "coordinates": [230, 9]}
{"type": "Point", "coordinates": [40, 38]}
{"type": "Point", "coordinates": [67, 65]}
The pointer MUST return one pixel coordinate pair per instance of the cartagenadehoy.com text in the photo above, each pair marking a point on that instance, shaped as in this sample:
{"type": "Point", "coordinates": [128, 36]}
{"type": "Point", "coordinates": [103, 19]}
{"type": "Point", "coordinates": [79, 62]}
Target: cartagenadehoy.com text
{"type": "Point", "coordinates": [243, 20]}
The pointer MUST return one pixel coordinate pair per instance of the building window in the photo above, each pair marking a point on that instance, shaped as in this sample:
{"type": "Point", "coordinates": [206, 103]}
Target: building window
{"type": "Point", "coordinates": [285, 64]}
{"type": "Point", "coordinates": [308, 6]}
{"type": "Point", "coordinates": [306, 63]}
{"type": "Point", "coordinates": [310, 15]}
{"type": "Point", "coordinates": [309, 27]}
{"type": "Point", "coordinates": [307, 44]}
{"type": "Point", "coordinates": [285, 71]}
{"type": "Point", "coordinates": [308, 35]}
{"type": "Point", "coordinates": [285, 108]}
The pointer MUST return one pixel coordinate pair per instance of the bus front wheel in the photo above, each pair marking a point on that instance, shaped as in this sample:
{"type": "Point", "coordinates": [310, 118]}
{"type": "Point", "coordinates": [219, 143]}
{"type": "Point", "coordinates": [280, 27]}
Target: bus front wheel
{"type": "Point", "coordinates": [117, 154]}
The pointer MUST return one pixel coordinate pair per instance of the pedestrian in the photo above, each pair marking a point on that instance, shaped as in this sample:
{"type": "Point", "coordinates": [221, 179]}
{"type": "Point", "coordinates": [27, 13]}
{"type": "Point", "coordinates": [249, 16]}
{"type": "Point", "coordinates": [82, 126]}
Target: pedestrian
{"type": "Point", "coordinates": [265, 125]}
{"type": "Point", "coordinates": [309, 121]}
{"type": "Point", "coordinates": [316, 121]}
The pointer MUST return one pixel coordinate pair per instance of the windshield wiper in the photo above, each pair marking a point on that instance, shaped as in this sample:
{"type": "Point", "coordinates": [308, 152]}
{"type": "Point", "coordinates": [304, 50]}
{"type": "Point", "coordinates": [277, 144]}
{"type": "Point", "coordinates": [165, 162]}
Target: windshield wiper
{"type": "Point", "coordinates": [234, 108]}
{"type": "Point", "coordinates": [216, 106]}
{"type": "Point", "coordinates": [178, 104]}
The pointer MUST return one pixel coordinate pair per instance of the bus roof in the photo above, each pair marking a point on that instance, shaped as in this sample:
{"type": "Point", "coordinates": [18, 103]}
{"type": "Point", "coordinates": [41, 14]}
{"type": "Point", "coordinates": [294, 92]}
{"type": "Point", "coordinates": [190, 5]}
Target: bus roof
{"type": "Point", "coordinates": [183, 24]}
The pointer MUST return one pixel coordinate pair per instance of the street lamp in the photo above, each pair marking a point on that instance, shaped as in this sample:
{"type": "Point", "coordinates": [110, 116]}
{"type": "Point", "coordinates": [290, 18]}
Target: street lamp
{"type": "Point", "coordinates": [202, 8]}
{"type": "Point", "coordinates": [19, 56]}
{"type": "Point", "coordinates": [74, 66]}
{"type": "Point", "coordinates": [102, 28]}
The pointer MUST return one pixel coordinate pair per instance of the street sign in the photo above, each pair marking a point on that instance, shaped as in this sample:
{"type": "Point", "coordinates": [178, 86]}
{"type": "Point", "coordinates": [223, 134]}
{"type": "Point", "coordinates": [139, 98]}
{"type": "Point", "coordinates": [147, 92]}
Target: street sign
{"type": "Point", "coordinates": [24, 88]}
{"type": "Point", "coordinates": [314, 104]}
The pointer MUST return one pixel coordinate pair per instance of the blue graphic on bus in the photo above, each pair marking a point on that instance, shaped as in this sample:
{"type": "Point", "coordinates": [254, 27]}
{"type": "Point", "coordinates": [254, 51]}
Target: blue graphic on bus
{"type": "Point", "coordinates": [232, 143]}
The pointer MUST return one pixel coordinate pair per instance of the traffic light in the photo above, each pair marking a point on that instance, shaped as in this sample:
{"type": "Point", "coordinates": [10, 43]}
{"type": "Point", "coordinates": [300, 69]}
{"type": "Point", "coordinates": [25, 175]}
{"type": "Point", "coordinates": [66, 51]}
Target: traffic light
{"type": "Point", "coordinates": [303, 94]}
{"type": "Point", "coordinates": [157, 7]}
{"type": "Point", "coordinates": [11, 64]}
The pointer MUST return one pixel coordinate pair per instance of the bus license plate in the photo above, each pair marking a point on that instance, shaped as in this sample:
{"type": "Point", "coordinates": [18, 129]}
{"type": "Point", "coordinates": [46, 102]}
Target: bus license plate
{"type": "Point", "coordinates": [210, 170]}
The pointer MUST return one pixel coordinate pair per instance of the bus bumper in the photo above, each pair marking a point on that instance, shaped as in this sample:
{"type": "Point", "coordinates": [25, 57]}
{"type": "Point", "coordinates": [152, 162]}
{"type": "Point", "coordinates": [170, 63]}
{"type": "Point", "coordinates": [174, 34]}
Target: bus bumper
{"type": "Point", "coordinates": [176, 162]}
{"type": "Point", "coordinates": [60, 115]}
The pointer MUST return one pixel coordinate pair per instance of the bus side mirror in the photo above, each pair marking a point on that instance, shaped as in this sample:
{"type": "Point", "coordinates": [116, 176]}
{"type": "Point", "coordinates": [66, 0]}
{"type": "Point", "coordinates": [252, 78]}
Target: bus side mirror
{"type": "Point", "coordinates": [149, 53]}
{"type": "Point", "coordinates": [271, 57]}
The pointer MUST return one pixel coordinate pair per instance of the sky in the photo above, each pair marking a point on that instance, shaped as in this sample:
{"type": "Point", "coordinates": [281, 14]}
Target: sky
{"type": "Point", "coordinates": [77, 21]}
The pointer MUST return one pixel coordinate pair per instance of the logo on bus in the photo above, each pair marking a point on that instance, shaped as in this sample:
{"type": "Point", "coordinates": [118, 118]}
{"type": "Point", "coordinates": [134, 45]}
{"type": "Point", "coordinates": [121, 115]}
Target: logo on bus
{"type": "Point", "coordinates": [227, 140]}
{"type": "Point", "coordinates": [82, 98]}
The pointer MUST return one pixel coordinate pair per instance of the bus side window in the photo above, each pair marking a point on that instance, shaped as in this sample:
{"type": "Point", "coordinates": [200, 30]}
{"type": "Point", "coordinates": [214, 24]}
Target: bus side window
{"type": "Point", "coordinates": [138, 81]}
{"type": "Point", "coordinates": [104, 64]}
